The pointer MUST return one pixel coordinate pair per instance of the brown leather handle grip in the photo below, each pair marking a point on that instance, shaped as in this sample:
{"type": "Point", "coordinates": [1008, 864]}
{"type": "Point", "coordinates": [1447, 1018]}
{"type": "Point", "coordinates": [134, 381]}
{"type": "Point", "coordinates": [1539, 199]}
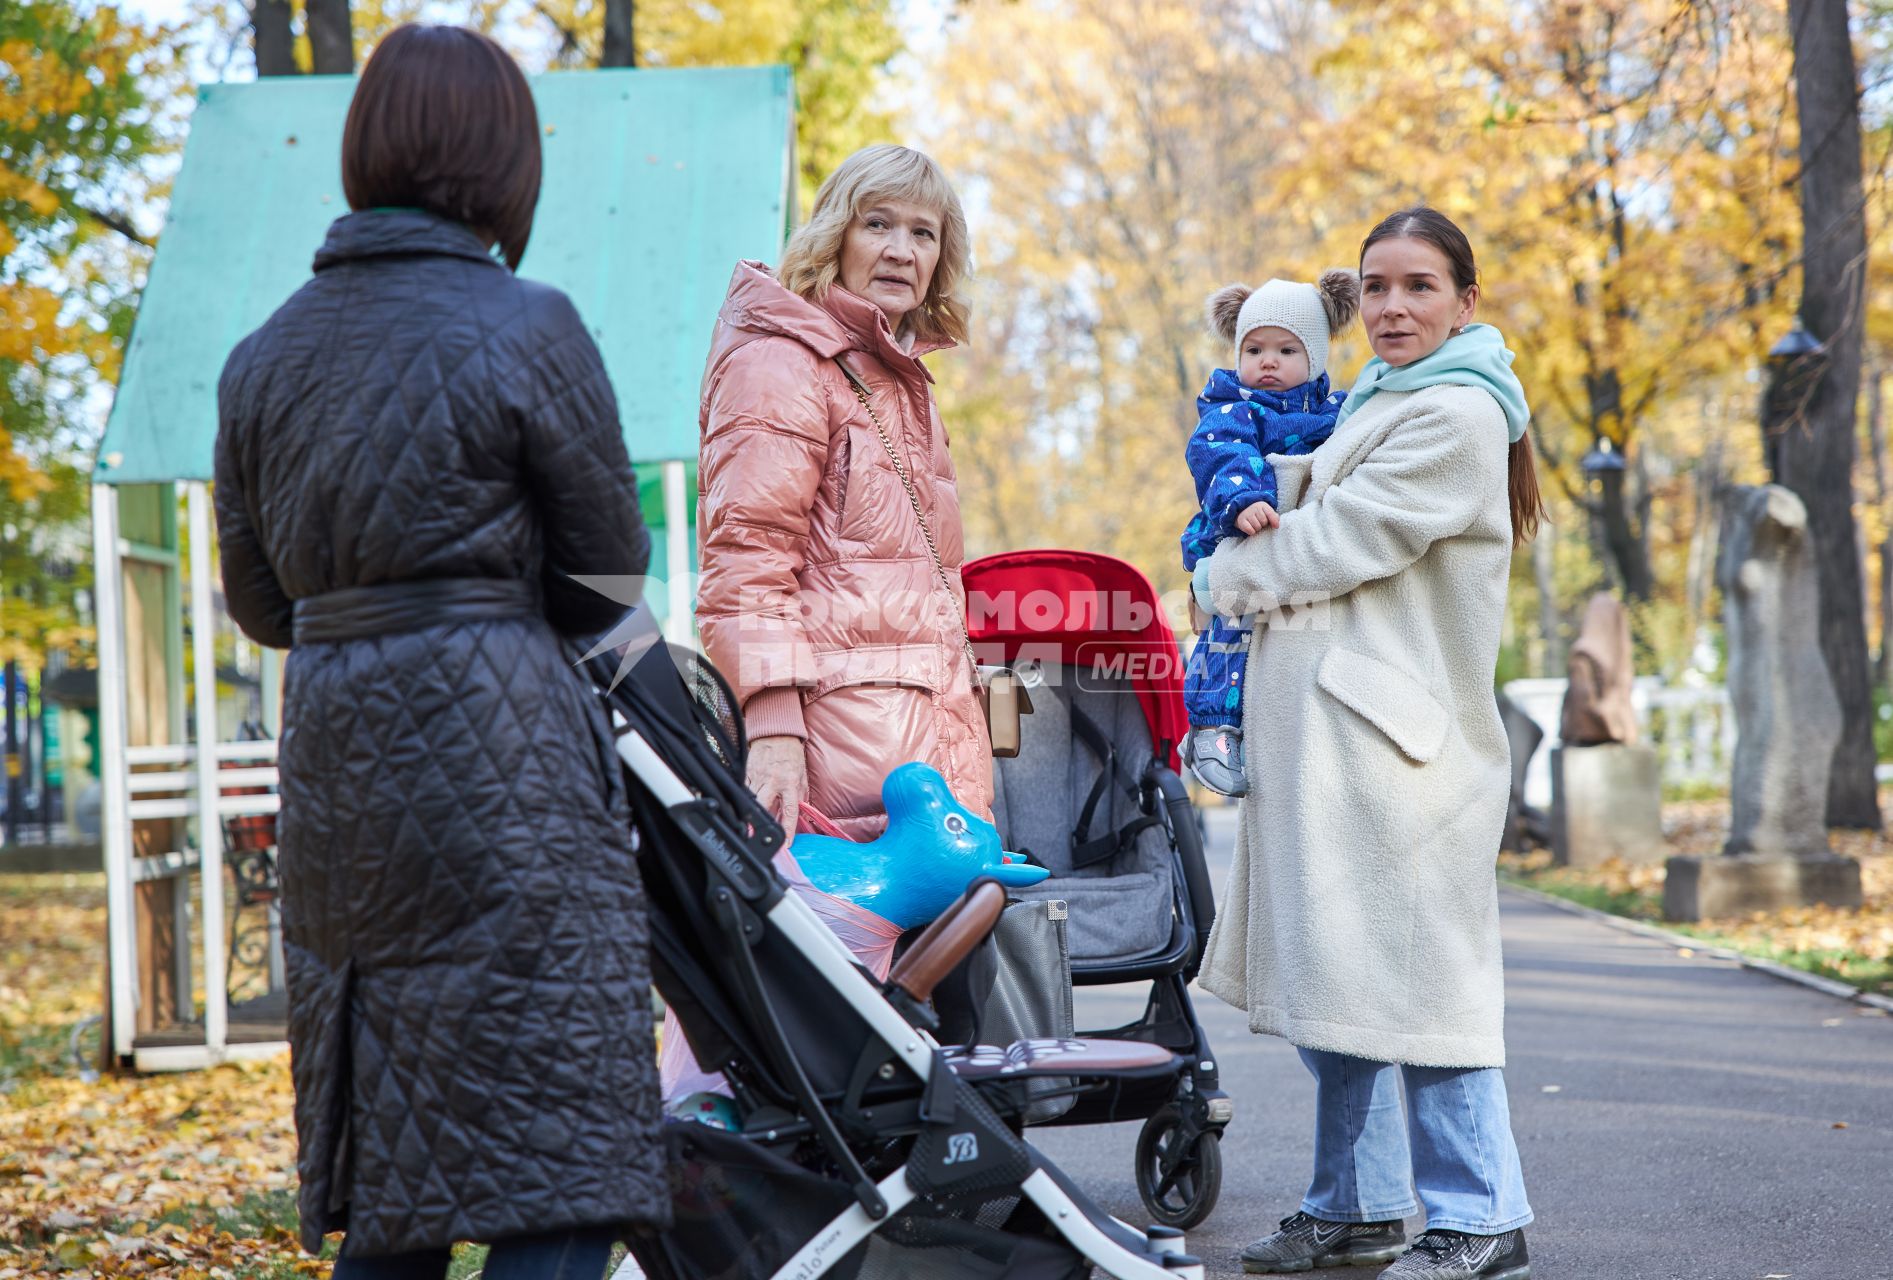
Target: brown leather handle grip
{"type": "Point", "coordinates": [947, 940]}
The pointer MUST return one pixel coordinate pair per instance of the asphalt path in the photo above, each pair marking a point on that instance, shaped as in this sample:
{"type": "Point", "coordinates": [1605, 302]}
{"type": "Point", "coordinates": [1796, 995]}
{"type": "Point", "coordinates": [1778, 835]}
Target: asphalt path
{"type": "Point", "coordinates": [1679, 1117]}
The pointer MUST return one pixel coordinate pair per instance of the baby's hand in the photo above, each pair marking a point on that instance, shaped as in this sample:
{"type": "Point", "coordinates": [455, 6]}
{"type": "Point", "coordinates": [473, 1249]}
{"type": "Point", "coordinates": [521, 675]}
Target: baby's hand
{"type": "Point", "coordinates": [1256, 517]}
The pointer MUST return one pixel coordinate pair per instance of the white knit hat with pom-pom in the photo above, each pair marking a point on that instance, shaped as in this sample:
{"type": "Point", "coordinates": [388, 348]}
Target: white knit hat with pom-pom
{"type": "Point", "coordinates": [1312, 312]}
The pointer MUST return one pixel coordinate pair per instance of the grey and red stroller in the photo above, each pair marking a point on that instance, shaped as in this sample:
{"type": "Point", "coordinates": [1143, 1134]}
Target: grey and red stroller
{"type": "Point", "coordinates": [1094, 795]}
{"type": "Point", "coordinates": [867, 1150]}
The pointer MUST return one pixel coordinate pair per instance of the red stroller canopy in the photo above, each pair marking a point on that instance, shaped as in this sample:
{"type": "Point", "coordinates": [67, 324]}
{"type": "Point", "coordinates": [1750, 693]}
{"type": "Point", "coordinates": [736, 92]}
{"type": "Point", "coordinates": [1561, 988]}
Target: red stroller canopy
{"type": "Point", "coordinates": [1091, 612]}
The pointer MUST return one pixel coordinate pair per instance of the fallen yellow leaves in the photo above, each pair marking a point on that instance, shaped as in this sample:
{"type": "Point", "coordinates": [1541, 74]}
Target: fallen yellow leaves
{"type": "Point", "coordinates": [118, 1150]}
{"type": "Point", "coordinates": [1614, 877]}
{"type": "Point", "coordinates": [1855, 946]}
{"type": "Point", "coordinates": [173, 1177]}
{"type": "Point", "coordinates": [173, 1250]}
{"type": "Point", "coordinates": [52, 940]}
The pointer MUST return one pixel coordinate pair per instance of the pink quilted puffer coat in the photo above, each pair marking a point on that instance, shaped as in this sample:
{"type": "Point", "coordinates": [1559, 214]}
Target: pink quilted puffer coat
{"type": "Point", "coordinates": [818, 599]}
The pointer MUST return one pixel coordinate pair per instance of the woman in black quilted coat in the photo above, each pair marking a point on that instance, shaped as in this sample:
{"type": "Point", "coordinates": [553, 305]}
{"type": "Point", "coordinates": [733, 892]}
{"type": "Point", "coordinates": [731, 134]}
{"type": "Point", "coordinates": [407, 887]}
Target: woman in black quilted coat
{"type": "Point", "coordinates": [414, 456]}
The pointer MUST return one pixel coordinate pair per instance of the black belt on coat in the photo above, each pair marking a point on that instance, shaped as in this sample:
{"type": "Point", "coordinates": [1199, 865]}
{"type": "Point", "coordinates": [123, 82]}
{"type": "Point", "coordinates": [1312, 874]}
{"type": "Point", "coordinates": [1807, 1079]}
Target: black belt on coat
{"type": "Point", "coordinates": [358, 613]}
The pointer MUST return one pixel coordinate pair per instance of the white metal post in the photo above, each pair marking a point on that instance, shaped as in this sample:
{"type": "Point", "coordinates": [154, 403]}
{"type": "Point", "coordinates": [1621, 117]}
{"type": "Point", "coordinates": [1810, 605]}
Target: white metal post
{"type": "Point", "coordinates": [679, 619]}
{"type": "Point", "coordinates": [114, 771]}
{"type": "Point", "coordinates": [209, 819]}
{"type": "Point", "coordinates": [272, 677]}
{"type": "Point", "coordinates": [273, 726]}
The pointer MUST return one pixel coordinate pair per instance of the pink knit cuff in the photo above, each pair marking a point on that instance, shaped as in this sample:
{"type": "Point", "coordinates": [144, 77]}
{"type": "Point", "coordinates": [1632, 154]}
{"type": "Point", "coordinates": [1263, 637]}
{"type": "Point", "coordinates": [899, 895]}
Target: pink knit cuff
{"type": "Point", "coordinates": [774, 713]}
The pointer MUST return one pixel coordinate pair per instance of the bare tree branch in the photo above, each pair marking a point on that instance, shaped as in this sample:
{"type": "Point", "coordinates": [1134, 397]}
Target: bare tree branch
{"type": "Point", "coordinates": [568, 36]}
{"type": "Point", "coordinates": [115, 222]}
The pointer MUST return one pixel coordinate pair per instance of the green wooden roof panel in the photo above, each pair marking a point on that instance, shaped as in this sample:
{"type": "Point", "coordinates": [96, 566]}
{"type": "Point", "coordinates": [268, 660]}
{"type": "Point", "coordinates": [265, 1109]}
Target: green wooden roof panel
{"type": "Point", "coordinates": [656, 182]}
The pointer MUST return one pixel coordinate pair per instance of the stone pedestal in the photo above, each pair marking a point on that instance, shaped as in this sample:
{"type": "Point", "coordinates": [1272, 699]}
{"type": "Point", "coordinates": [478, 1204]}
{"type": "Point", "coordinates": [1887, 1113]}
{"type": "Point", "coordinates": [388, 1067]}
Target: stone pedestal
{"type": "Point", "coordinates": [1789, 720]}
{"type": "Point", "coordinates": [1736, 884]}
{"type": "Point", "coordinates": [1606, 802]}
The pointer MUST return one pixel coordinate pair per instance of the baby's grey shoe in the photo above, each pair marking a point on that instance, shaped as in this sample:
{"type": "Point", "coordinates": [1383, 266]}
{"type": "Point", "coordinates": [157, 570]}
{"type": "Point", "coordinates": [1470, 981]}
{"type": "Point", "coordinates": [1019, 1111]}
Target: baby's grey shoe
{"type": "Point", "coordinates": [1213, 755]}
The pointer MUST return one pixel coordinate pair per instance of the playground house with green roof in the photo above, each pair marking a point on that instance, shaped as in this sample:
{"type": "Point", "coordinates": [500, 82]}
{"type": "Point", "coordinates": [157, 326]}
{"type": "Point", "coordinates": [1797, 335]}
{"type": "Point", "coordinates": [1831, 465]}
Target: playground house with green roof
{"type": "Point", "coordinates": [656, 182]}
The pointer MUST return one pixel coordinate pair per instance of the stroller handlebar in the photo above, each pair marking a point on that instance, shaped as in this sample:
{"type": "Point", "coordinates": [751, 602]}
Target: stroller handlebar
{"type": "Point", "coordinates": [949, 939]}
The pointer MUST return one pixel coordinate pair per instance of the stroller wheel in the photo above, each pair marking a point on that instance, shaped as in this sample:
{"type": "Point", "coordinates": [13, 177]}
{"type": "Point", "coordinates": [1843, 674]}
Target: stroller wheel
{"type": "Point", "coordinates": [1179, 1175]}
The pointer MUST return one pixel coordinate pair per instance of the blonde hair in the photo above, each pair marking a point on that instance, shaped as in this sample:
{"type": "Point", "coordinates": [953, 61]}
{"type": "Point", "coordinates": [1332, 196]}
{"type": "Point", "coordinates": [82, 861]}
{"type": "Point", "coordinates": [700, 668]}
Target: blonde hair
{"type": "Point", "coordinates": [812, 261]}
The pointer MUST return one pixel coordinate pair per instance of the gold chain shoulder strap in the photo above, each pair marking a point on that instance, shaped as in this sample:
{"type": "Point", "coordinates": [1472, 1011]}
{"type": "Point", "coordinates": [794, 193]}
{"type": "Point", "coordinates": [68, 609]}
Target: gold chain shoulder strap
{"type": "Point", "coordinates": [913, 497]}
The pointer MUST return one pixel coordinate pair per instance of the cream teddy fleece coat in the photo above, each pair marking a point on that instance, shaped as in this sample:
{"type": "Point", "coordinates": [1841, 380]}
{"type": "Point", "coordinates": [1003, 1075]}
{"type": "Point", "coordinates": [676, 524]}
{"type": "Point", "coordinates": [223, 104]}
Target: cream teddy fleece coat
{"type": "Point", "coordinates": [1361, 913]}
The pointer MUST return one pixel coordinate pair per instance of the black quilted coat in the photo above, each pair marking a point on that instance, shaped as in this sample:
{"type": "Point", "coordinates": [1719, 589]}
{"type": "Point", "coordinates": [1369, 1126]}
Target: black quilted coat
{"type": "Point", "coordinates": [464, 925]}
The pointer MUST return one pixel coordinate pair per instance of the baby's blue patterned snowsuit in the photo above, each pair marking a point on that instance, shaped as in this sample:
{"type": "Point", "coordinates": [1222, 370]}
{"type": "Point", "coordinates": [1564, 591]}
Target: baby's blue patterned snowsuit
{"type": "Point", "coordinates": [1237, 427]}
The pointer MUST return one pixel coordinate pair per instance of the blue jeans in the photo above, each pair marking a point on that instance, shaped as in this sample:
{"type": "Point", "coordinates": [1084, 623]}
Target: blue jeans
{"type": "Point", "coordinates": [1453, 1145]}
{"type": "Point", "coordinates": [580, 1254]}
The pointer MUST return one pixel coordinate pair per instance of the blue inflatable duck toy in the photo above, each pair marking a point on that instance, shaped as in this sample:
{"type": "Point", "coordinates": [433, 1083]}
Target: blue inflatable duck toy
{"type": "Point", "coordinates": [932, 849]}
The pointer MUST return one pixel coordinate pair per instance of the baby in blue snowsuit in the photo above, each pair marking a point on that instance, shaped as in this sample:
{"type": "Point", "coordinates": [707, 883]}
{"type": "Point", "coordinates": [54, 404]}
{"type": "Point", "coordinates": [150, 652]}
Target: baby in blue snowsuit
{"type": "Point", "coordinates": [1276, 400]}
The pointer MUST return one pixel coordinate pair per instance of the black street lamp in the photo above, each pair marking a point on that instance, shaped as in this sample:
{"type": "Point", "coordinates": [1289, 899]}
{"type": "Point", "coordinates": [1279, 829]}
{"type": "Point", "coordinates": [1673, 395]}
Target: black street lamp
{"type": "Point", "coordinates": [1603, 459]}
{"type": "Point", "coordinates": [1795, 364]}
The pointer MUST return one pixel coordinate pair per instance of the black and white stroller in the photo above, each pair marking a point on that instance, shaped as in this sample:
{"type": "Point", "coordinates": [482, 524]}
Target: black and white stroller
{"type": "Point", "coordinates": [867, 1150]}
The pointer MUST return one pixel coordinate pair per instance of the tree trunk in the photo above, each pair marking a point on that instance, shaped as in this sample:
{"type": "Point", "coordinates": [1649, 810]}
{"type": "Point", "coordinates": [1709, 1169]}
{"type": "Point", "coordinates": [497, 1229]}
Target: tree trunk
{"type": "Point", "coordinates": [331, 42]}
{"type": "Point", "coordinates": [1883, 668]}
{"type": "Point", "coordinates": [1622, 542]}
{"type": "Point", "coordinates": [1876, 443]}
{"type": "Point", "coordinates": [15, 774]}
{"type": "Point", "coordinates": [1817, 452]}
{"type": "Point", "coordinates": [621, 48]}
{"type": "Point", "coordinates": [275, 46]}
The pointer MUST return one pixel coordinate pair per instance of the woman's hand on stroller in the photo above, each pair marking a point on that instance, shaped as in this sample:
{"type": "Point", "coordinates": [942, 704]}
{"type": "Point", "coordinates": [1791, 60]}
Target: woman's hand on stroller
{"type": "Point", "coordinates": [778, 774]}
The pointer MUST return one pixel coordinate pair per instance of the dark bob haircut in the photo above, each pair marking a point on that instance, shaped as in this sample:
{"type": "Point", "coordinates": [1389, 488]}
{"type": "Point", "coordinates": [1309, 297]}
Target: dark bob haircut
{"type": "Point", "coordinates": [443, 121]}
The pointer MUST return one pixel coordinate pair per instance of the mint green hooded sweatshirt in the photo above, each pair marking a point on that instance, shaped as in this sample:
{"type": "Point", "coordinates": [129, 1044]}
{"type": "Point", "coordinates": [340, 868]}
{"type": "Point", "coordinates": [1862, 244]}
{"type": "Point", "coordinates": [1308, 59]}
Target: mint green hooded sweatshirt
{"type": "Point", "coordinates": [1476, 356]}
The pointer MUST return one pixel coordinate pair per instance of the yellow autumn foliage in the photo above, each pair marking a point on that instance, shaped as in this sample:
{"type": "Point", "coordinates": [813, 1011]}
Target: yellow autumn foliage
{"type": "Point", "coordinates": [837, 49]}
{"type": "Point", "coordinates": [1624, 168]}
{"type": "Point", "coordinates": [84, 96]}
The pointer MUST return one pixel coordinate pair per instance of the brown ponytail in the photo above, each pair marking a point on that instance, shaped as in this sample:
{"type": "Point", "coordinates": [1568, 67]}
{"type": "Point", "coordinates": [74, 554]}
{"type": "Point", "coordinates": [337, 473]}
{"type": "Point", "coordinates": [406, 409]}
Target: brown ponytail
{"type": "Point", "coordinates": [1528, 505]}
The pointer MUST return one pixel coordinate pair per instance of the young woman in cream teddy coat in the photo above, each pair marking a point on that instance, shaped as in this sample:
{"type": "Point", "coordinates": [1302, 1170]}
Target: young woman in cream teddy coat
{"type": "Point", "coordinates": [1360, 921]}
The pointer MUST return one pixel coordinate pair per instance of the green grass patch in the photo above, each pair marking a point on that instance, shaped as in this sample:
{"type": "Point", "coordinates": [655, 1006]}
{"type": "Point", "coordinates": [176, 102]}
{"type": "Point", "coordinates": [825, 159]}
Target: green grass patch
{"type": "Point", "coordinates": [1870, 975]}
{"type": "Point", "coordinates": [1634, 904]}
{"type": "Point", "coordinates": [1694, 790]}
{"type": "Point", "coordinates": [1883, 724]}
{"type": "Point", "coordinates": [38, 1049]}
{"type": "Point", "coordinates": [467, 1263]}
{"type": "Point", "coordinates": [253, 1217]}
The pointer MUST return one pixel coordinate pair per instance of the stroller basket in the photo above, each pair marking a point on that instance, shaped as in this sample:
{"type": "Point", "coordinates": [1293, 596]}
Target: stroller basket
{"type": "Point", "coordinates": [742, 1213]}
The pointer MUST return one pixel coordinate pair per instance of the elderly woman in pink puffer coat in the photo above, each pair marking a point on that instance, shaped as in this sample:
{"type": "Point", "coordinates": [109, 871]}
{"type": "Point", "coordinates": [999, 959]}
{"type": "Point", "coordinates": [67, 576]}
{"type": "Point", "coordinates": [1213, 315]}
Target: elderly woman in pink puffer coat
{"type": "Point", "coordinates": [833, 605]}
